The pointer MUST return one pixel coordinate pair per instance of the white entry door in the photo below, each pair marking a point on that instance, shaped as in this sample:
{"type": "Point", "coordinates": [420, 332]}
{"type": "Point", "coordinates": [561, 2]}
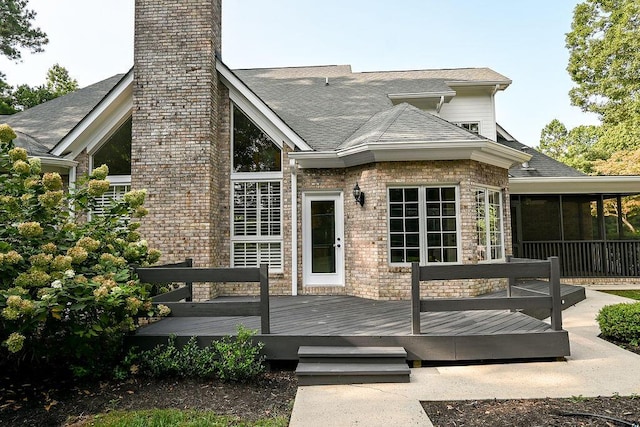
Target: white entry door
{"type": "Point", "coordinates": [323, 239]}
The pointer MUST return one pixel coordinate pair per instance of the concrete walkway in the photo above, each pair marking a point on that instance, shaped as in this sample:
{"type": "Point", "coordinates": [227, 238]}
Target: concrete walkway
{"type": "Point", "coordinates": [595, 368]}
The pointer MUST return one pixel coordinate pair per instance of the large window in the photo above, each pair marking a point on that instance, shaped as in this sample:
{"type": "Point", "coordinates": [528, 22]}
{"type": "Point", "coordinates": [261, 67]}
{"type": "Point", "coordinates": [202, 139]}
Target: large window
{"type": "Point", "coordinates": [115, 152]}
{"type": "Point", "coordinates": [489, 235]}
{"type": "Point", "coordinates": [256, 180]}
{"type": "Point", "coordinates": [423, 225]}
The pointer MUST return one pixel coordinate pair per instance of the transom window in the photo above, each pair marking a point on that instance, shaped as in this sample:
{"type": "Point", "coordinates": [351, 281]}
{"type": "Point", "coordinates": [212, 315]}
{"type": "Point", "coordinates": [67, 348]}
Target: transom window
{"type": "Point", "coordinates": [489, 235]}
{"type": "Point", "coordinates": [256, 181]}
{"type": "Point", "coordinates": [116, 151]}
{"type": "Point", "coordinates": [253, 150]}
{"type": "Point", "coordinates": [423, 225]}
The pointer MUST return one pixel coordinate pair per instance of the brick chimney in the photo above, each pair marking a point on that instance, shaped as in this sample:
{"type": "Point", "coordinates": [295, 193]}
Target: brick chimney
{"type": "Point", "coordinates": [176, 125]}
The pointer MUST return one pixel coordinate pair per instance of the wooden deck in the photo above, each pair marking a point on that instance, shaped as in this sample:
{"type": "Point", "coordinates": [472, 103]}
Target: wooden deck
{"type": "Point", "coordinates": [344, 320]}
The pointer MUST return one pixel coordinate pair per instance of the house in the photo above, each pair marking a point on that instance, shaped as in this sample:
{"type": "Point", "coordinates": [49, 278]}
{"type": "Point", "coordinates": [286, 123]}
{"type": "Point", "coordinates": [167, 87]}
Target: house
{"type": "Point", "coordinates": [338, 180]}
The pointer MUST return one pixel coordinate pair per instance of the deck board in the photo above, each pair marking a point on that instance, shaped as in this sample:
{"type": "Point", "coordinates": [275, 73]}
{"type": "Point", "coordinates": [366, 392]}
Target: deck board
{"type": "Point", "coordinates": [347, 320]}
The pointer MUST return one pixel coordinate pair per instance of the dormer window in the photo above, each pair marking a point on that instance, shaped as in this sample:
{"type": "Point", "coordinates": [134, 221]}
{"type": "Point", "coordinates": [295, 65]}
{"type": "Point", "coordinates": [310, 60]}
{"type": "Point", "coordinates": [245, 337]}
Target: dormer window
{"type": "Point", "coordinates": [473, 127]}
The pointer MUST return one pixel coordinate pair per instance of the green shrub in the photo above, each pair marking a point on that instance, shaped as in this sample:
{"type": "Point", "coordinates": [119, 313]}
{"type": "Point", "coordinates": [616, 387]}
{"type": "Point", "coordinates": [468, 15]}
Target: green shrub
{"type": "Point", "coordinates": [67, 293]}
{"type": "Point", "coordinates": [621, 322]}
{"type": "Point", "coordinates": [239, 357]}
{"type": "Point", "coordinates": [230, 359]}
{"type": "Point", "coordinates": [188, 361]}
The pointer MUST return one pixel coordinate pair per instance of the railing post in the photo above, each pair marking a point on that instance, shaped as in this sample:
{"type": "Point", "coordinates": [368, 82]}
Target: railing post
{"type": "Point", "coordinates": [511, 280]}
{"type": "Point", "coordinates": [264, 299]}
{"type": "Point", "coordinates": [415, 298]}
{"type": "Point", "coordinates": [554, 290]}
{"type": "Point", "coordinates": [189, 263]}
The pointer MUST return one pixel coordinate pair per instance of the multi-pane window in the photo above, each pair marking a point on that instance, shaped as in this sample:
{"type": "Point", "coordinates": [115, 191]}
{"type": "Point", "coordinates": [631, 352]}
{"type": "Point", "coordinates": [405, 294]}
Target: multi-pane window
{"type": "Point", "coordinates": [489, 234]}
{"type": "Point", "coordinates": [423, 225]}
{"type": "Point", "coordinates": [115, 192]}
{"type": "Point", "coordinates": [470, 126]}
{"type": "Point", "coordinates": [256, 181]}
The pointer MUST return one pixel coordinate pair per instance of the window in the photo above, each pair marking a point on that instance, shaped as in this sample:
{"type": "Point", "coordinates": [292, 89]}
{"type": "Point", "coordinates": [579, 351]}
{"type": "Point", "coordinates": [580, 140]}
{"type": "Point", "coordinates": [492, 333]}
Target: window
{"type": "Point", "coordinates": [423, 225]}
{"type": "Point", "coordinates": [115, 192]}
{"type": "Point", "coordinates": [253, 150]}
{"type": "Point", "coordinates": [115, 152]}
{"type": "Point", "coordinates": [256, 180]}
{"type": "Point", "coordinates": [470, 126]}
{"type": "Point", "coordinates": [489, 236]}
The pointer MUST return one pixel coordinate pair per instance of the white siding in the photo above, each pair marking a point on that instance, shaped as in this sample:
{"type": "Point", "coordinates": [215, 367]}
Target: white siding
{"type": "Point", "coordinates": [470, 106]}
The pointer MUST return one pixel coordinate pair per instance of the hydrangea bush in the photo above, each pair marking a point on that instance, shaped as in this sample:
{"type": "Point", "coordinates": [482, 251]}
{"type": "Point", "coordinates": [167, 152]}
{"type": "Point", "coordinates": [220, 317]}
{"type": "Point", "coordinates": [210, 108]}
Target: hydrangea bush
{"type": "Point", "coordinates": [67, 292]}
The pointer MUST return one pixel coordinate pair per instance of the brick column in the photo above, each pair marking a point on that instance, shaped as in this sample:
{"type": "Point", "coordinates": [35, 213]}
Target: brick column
{"type": "Point", "coordinates": [175, 125]}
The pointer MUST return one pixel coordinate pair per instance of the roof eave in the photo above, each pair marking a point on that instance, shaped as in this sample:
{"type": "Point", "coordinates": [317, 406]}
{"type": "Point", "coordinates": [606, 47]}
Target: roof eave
{"type": "Point", "coordinates": [619, 185]}
{"type": "Point", "coordinates": [487, 152]}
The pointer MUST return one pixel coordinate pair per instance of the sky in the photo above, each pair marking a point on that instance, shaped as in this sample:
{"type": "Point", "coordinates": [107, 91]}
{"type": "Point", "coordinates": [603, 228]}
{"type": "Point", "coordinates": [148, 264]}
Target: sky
{"type": "Point", "coordinates": [523, 40]}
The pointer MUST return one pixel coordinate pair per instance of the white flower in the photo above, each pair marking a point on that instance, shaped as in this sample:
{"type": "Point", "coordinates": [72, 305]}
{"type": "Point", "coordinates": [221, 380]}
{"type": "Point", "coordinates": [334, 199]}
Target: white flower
{"type": "Point", "coordinates": [115, 289]}
{"type": "Point", "coordinates": [57, 284]}
{"type": "Point", "coordinates": [69, 274]}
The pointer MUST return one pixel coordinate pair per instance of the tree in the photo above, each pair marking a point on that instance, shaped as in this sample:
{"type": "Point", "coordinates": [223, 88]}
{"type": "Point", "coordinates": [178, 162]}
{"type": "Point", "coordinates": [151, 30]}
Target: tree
{"type": "Point", "coordinates": [7, 101]}
{"type": "Point", "coordinates": [58, 83]}
{"type": "Point", "coordinates": [604, 61]}
{"type": "Point", "coordinates": [576, 148]}
{"type": "Point", "coordinates": [16, 30]}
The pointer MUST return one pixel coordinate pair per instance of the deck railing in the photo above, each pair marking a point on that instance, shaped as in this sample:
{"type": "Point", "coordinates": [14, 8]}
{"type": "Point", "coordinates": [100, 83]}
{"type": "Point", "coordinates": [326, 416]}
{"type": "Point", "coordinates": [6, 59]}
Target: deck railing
{"type": "Point", "coordinates": [591, 258]}
{"type": "Point", "coordinates": [179, 308]}
{"type": "Point", "coordinates": [516, 269]}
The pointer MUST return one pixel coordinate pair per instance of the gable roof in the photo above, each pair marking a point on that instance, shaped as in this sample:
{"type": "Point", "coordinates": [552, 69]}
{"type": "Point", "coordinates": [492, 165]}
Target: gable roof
{"type": "Point", "coordinates": [50, 122]}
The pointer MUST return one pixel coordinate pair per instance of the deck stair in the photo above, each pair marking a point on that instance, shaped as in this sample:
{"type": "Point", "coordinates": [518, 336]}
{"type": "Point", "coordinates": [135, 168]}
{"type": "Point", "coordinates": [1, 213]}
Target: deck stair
{"type": "Point", "coordinates": [351, 365]}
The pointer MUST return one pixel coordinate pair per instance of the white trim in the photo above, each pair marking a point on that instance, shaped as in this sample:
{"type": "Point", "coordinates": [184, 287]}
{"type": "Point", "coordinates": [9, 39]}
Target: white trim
{"type": "Point", "coordinates": [256, 176]}
{"type": "Point", "coordinates": [310, 279]}
{"type": "Point", "coordinates": [100, 121]}
{"type": "Point", "coordinates": [294, 227]}
{"type": "Point", "coordinates": [267, 119]}
{"type": "Point", "coordinates": [484, 151]}
{"type": "Point", "coordinates": [623, 185]}
{"type": "Point", "coordinates": [57, 162]}
{"type": "Point", "coordinates": [422, 222]}
{"type": "Point", "coordinates": [421, 95]}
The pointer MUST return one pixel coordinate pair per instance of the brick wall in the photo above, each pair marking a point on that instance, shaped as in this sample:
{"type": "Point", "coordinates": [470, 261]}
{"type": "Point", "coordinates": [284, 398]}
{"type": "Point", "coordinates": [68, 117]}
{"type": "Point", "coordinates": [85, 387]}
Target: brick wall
{"type": "Point", "coordinates": [175, 153]}
{"type": "Point", "coordinates": [368, 273]}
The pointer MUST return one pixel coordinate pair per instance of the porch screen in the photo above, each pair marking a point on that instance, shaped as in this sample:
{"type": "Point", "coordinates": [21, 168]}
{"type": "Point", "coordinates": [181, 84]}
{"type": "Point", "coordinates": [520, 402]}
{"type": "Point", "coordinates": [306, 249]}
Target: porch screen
{"type": "Point", "coordinates": [423, 225]}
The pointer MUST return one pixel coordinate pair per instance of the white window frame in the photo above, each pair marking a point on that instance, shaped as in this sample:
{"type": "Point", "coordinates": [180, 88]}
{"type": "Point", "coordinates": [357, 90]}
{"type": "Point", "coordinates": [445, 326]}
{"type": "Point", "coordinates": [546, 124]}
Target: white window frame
{"type": "Point", "coordinates": [465, 125]}
{"type": "Point", "coordinates": [422, 223]}
{"type": "Point", "coordinates": [488, 249]}
{"type": "Point", "coordinates": [257, 178]}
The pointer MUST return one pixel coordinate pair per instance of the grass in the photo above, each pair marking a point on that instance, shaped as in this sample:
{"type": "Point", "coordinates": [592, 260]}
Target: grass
{"type": "Point", "coordinates": [176, 418]}
{"type": "Point", "coordinates": [633, 293]}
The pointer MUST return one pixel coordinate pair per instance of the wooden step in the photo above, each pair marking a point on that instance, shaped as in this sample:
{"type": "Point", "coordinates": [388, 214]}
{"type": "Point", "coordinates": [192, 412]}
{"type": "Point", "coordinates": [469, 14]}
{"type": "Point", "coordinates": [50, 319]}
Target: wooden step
{"type": "Point", "coordinates": [349, 351]}
{"type": "Point", "coordinates": [351, 365]}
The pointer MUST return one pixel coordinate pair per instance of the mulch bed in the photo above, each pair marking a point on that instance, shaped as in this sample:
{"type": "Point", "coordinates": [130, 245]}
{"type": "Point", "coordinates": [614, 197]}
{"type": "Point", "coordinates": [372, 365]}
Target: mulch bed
{"type": "Point", "coordinates": [59, 404]}
{"type": "Point", "coordinates": [539, 412]}
{"type": "Point", "coordinates": [536, 412]}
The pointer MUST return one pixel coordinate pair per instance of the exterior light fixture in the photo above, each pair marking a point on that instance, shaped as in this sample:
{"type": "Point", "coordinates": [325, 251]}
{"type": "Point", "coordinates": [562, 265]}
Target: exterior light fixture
{"type": "Point", "coordinates": [358, 194]}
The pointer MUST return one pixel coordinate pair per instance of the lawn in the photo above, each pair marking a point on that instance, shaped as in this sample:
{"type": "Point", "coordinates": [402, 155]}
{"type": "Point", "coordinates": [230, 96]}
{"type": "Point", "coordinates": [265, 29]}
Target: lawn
{"type": "Point", "coordinates": [632, 293]}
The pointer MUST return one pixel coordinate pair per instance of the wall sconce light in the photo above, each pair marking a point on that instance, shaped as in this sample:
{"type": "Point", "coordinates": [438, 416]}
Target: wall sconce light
{"type": "Point", "coordinates": [358, 195]}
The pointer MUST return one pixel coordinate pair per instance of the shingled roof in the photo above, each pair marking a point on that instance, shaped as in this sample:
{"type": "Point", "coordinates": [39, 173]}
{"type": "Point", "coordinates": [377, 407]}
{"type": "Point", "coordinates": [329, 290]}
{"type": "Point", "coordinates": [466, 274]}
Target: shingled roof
{"type": "Point", "coordinates": [327, 105]}
{"type": "Point", "coordinates": [48, 123]}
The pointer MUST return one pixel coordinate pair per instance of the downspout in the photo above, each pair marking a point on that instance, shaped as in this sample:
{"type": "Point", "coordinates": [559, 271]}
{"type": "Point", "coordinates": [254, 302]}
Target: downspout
{"type": "Point", "coordinates": [494, 136]}
{"type": "Point", "coordinates": [294, 227]}
{"type": "Point", "coordinates": [73, 174]}
{"type": "Point", "coordinates": [440, 104]}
